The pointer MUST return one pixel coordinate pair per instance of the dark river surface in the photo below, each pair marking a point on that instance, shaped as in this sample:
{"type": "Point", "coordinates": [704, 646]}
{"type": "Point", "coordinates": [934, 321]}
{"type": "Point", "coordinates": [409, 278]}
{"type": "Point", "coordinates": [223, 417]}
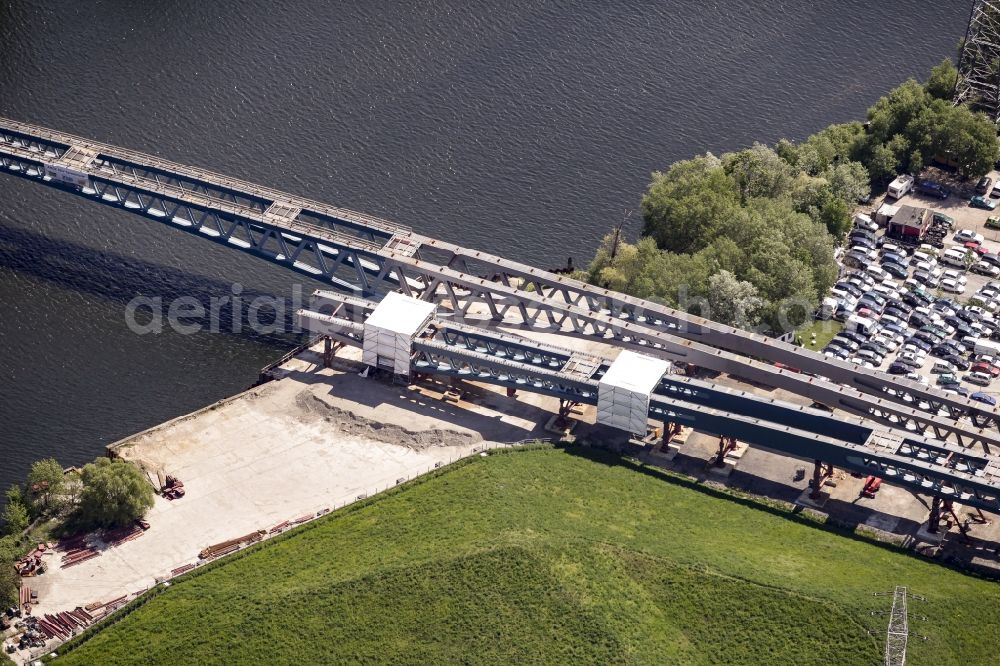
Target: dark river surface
{"type": "Point", "coordinates": [521, 128]}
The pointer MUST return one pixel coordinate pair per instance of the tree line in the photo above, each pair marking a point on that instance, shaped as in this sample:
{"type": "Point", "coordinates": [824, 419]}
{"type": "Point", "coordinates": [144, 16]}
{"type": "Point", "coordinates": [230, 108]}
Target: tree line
{"type": "Point", "coordinates": [748, 238]}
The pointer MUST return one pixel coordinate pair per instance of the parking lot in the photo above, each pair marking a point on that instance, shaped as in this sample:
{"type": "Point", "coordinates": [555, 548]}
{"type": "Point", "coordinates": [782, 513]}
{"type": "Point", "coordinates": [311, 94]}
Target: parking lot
{"type": "Point", "coordinates": [919, 320]}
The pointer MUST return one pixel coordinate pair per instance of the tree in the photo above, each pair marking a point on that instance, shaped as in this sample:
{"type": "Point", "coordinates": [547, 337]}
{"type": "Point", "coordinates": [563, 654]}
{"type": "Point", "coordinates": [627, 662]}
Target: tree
{"type": "Point", "coordinates": [836, 217]}
{"type": "Point", "coordinates": [114, 493]}
{"type": "Point", "coordinates": [849, 181]}
{"type": "Point", "coordinates": [892, 113]}
{"type": "Point", "coordinates": [15, 517]}
{"type": "Point", "coordinates": [836, 143]}
{"type": "Point", "coordinates": [758, 171]}
{"type": "Point", "coordinates": [957, 133]}
{"type": "Point", "coordinates": [941, 83]}
{"type": "Point", "coordinates": [733, 302]}
{"type": "Point", "coordinates": [683, 206]}
{"type": "Point", "coordinates": [883, 163]}
{"type": "Point", "coordinates": [45, 482]}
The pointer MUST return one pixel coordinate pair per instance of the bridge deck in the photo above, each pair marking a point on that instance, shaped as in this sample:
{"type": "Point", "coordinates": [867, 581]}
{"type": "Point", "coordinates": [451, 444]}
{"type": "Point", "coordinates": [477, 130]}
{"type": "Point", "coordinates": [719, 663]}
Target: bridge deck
{"type": "Point", "coordinates": [366, 254]}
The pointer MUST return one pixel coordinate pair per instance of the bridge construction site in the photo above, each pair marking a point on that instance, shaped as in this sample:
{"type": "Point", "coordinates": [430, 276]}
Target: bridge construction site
{"type": "Point", "coordinates": [413, 309]}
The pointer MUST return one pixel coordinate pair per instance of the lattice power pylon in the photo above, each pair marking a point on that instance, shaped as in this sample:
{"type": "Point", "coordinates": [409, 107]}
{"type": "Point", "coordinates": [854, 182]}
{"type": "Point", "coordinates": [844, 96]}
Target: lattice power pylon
{"type": "Point", "coordinates": [898, 632]}
{"type": "Point", "coordinates": [978, 84]}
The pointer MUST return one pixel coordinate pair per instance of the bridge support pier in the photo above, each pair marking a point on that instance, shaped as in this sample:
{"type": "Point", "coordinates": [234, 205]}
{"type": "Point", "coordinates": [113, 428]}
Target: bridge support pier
{"type": "Point", "coordinates": [821, 472]}
{"type": "Point", "coordinates": [327, 352]}
{"type": "Point", "coordinates": [726, 444]}
{"type": "Point", "coordinates": [934, 521]}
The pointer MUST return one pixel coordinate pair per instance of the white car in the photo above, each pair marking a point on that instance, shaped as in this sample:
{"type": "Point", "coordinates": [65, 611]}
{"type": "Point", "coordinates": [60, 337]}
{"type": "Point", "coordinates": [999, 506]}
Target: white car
{"type": "Point", "coordinates": [986, 268]}
{"type": "Point", "coordinates": [980, 330]}
{"type": "Point", "coordinates": [913, 358]}
{"type": "Point", "coordinates": [954, 275]}
{"type": "Point", "coordinates": [951, 286]}
{"type": "Point", "coordinates": [977, 310]}
{"type": "Point", "coordinates": [920, 379]}
{"type": "Point", "coordinates": [886, 341]}
{"type": "Point", "coordinates": [978, 378]}
{"type": "Point", "coordinates": [966, 235]}
{"type": "Point", "coordinates": [930, 268]}
{"type": "Point", "coordinates": [916, 351]}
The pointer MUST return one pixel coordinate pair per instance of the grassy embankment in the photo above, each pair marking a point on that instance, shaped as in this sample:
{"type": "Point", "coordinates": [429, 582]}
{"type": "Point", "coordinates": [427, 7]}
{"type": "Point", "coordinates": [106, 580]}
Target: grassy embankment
{"type": "Point", "coordinates": [555, 556]}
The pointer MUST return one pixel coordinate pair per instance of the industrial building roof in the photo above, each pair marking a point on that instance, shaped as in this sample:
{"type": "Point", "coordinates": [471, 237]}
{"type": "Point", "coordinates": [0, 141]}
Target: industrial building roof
{"type": "Point", "coordinates": [400, 314]}
{"type": "Point", "coordinates": [635, 372]}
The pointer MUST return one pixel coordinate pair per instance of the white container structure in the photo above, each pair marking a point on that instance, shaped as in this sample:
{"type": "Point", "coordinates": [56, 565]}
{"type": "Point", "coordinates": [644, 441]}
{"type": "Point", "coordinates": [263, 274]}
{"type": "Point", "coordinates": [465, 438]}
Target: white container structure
{"type": "Point", "coordinates": [624, 390]}
{"type": "Point", "coordinates": [390, 330]}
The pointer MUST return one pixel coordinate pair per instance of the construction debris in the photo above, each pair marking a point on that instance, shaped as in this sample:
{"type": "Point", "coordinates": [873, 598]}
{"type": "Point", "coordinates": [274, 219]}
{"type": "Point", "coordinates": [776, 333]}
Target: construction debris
{"type": "Point", "coordinates": [173, 488]}
{"type": "Point", "coordinates": [76, 550]}
{"type": "Point", "coordinates": [232, 545]}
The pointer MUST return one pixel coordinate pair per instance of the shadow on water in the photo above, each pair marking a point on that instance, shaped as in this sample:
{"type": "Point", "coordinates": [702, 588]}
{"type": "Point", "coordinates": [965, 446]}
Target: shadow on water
{"type": "Point", "coordinates": [119, 279]}
{"type": "Point", "coordinates": [961, 564]}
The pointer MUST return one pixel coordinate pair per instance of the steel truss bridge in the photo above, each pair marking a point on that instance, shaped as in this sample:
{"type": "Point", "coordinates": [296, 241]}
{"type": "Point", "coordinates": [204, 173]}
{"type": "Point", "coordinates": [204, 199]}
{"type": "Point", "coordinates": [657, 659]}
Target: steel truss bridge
{"type": "Point", "coordinates": [368, 256]}
{"type": "Point", "coordinates": [454, 349]}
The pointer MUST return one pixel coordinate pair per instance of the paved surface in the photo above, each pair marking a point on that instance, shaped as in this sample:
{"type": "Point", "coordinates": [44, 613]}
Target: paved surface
{"type": "Point", "coordinates": [282, 450]}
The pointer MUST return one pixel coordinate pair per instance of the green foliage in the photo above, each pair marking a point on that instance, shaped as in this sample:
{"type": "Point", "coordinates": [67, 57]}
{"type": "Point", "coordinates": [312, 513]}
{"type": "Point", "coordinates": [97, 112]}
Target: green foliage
{"type": "Point", "coordinates": [891, 114]}
{"type": "Point", "coordinates": [849, 181]}
{"type": "Point", "coordinates": [758, 172]}
{"type": "Point", "coordinates": [883, 164]}
{"type": "Point", "coordinates": [970, 139]}
{"type": "Point", "coordinates": [553, 556]}
{"type": "Point", "coordinates": [45, 483]}
{"type": "Point", "coordinates": [114, 493]}
{"type": "Point", "coordinates": [734, 302]}
{"type": "Point", "coordinates": [10, 582]}
{"type": "Point", "coordinates": [837, 143]}
{"type": "Point", "coordinates": [15, 518]}
{"type": "Point", "coordinates": [941, 83]}
{"type": "Point", "coordinates": [683, 206]}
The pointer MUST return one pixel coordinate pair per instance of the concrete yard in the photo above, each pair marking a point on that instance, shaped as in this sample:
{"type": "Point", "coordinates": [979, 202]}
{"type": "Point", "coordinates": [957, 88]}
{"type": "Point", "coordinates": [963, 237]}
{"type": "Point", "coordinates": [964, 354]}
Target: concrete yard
{"type": "Point", "coordinates": [316, 439]}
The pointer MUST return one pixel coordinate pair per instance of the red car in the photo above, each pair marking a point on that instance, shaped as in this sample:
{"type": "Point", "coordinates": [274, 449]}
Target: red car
{"type": "Point", "coordinates": [986, 368]}
{"type": "Point", "coordinates": [973, 245]}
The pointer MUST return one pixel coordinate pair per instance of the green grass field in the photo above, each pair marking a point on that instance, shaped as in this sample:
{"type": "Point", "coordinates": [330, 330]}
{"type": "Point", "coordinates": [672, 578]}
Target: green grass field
{"type": "Point", "coordinates": [555, 556]}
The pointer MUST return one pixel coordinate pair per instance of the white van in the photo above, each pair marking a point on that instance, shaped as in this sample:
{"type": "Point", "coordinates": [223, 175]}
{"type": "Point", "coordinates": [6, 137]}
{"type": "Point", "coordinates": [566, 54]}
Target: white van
{"type": "Point", "coordinates": [988, 347]}
{"type": "Point", "coordinates": [865, 222]}
{"type": "Point", "coordinates": [954, 257]}
{"type": "Point", "coordinates": [859, 324]}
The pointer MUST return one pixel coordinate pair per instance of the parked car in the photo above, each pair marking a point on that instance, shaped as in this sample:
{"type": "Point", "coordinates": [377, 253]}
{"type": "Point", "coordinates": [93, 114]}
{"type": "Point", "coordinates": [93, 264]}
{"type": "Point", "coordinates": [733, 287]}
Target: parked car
{"type": "Point", "coordinates": [897, 368]}
{"type": "Point", "coordinates": [947, 379]}
{"type": "Point", "coordinates": [942, 366]}
{"type": "Point", "coordinates": [978, 378]}
{"type": "Point", "coordinates": [986, 369]}
{"type": "Point", "coordinates": [993, 222]}
{"type": "Point", "coordinates": [932, 189]}
{"type": "Point", "coordinates": [957, 361]}
{"type": "Point", "coordinates": [952, 286]}
{"type": "Point", "coordinates": [984, 268]}
{"type": "Point", "coordinates": [982, 202]}
{"type": "Point", "coordinates": [986, 398]}
{"type": "Point", "coordinates": [966, 235]}
{"type": "Point", "coordinates": [895, 270]}
{"type": "Point", "coordinates": [984, 185]}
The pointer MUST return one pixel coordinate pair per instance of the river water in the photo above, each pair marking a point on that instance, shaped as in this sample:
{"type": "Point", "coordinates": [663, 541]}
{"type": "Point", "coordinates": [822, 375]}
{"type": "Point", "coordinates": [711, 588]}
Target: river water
{"type": "Point", "coordinates": [526, 129]}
